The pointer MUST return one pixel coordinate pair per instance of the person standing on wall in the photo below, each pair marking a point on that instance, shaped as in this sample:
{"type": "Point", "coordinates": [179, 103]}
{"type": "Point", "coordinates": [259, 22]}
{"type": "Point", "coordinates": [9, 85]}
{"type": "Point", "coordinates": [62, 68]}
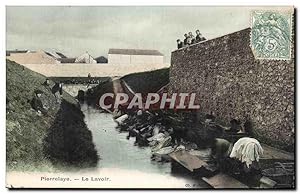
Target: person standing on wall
{"type": "Point", "coordinates": [199, 37]}
{"type": "Point", "coordinates": [179, 44]}
{"type": "Point", "coordinates": [185, 41]}
{"type": "Point", "coordinates": [191, 38]}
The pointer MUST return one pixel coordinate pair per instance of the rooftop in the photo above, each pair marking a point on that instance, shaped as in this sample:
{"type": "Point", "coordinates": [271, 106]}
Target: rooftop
{"type": "Point", "coordinates": [8, 52]}
{"type": "Point", "coordinates": [67, 60]}
{"type": "Point", "coordinates": [55, 54]}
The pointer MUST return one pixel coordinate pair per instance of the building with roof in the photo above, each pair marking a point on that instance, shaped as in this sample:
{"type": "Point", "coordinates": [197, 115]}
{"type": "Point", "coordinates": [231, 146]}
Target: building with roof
{"type": "Point", "coordinates": [101, 59]}
{"type": "Point", "coordinates": [8, 52]}
{"type": "Point", "coordinates": [135, 56]}
{"type": "Point", "coordinates": [55, 54]}
{"type": "Point", "coordinates": [35, 57]}
{"type": "Point", "coordinates": [85, 58]}
{"type": "Point", "coordinates": [32, 57]}
{"type": "Point", "coordinates": [67, 60]}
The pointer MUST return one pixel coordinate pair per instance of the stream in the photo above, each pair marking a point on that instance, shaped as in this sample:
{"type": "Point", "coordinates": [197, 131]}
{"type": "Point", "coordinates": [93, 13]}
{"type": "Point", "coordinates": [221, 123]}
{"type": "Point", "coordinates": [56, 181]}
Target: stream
{"type": "Point", "coordinates": [116, 152]}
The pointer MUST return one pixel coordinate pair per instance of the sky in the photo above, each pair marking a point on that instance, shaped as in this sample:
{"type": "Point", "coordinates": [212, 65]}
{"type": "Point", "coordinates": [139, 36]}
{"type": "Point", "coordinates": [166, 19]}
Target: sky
{"type": "Point", "coordinates": [75, 30]}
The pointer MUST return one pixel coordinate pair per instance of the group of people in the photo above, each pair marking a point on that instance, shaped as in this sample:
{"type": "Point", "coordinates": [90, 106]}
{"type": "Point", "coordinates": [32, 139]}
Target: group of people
{"type": "Point", "coordinates": [190, 39]}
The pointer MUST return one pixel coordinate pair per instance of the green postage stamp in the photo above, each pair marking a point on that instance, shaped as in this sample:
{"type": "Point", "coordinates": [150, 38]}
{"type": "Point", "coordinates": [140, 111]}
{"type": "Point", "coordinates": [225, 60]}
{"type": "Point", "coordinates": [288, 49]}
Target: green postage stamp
{"type": "Point", "coordinates": [271, 33]}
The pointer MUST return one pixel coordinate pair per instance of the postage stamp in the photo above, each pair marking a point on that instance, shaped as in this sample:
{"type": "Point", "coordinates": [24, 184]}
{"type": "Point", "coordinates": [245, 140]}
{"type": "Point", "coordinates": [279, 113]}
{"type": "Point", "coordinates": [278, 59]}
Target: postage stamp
{"type": "Point", "coordinates": [271, 35]}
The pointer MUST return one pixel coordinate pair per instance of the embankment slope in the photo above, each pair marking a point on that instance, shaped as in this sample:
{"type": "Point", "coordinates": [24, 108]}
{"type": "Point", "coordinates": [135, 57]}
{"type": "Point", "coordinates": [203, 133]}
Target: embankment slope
{"type": "Point", "coordinates": [30, 134]}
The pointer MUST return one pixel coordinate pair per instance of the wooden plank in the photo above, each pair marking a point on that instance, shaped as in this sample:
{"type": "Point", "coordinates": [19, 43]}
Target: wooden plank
{"type": "Point", "coordinates": [224, 181]}
{"type": "Point", "coordinates": [274, 153]}
{"type": "Point", "coordinates": [267, 183]}
{"type": "Point", "coordinates": [187, 160]}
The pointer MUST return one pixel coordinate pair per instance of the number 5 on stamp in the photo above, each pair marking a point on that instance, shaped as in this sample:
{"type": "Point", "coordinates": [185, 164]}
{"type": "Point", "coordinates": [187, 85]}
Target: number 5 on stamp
{"type": "Point", "coordinates": [271, 35]}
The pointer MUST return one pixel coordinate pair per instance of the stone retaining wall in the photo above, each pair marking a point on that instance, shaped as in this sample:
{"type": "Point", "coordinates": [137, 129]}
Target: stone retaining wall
{"type": "Point", "coordinates": [231, 83]}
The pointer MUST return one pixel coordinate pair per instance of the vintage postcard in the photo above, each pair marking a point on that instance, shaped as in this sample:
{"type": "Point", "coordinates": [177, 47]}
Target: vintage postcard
{"type": "Point", "coordinates": [150, 97]}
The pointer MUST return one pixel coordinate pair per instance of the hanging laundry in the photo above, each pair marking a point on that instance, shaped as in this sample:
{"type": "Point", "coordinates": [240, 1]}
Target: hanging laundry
{"type": "Point", "coordinates": [247, 150]}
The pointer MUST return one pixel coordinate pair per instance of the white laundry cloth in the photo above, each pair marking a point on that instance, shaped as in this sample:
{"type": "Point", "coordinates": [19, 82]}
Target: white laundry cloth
{"type": "Point", "coordinates": [121, 119]}
{"type": "Point", "coordinates": [247, 150]}
{"type": "Point", "coordinates": [157, 137]}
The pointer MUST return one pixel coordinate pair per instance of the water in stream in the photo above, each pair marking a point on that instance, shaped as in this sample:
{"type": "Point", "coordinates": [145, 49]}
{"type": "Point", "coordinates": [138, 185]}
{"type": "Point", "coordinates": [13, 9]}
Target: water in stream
{"type": "Point", "coordinates": [132, 162]}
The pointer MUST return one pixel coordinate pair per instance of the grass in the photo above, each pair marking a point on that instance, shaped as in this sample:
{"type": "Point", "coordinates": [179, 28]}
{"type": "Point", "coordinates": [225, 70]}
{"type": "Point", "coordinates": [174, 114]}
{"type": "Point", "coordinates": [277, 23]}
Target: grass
{"type": "Point", "coordinates": [147, 82]}
{"type": "Point", "coordinates": [26, 129]}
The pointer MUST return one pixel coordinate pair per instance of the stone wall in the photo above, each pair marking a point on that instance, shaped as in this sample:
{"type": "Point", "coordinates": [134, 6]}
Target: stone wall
{"type": "Point", "coordinates": [231, 83]}
{"type": "Point", "coordinates": [96, 70]}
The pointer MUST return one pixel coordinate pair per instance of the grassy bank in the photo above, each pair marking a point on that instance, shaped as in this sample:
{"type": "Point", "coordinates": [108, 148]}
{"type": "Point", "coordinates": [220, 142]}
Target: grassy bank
{"type": "Point", "coordinates": [147, 82]}
{"type": "Point", "coordinates": [27, 130]}
{"type": "Point", "coordinates": [68, 142]}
